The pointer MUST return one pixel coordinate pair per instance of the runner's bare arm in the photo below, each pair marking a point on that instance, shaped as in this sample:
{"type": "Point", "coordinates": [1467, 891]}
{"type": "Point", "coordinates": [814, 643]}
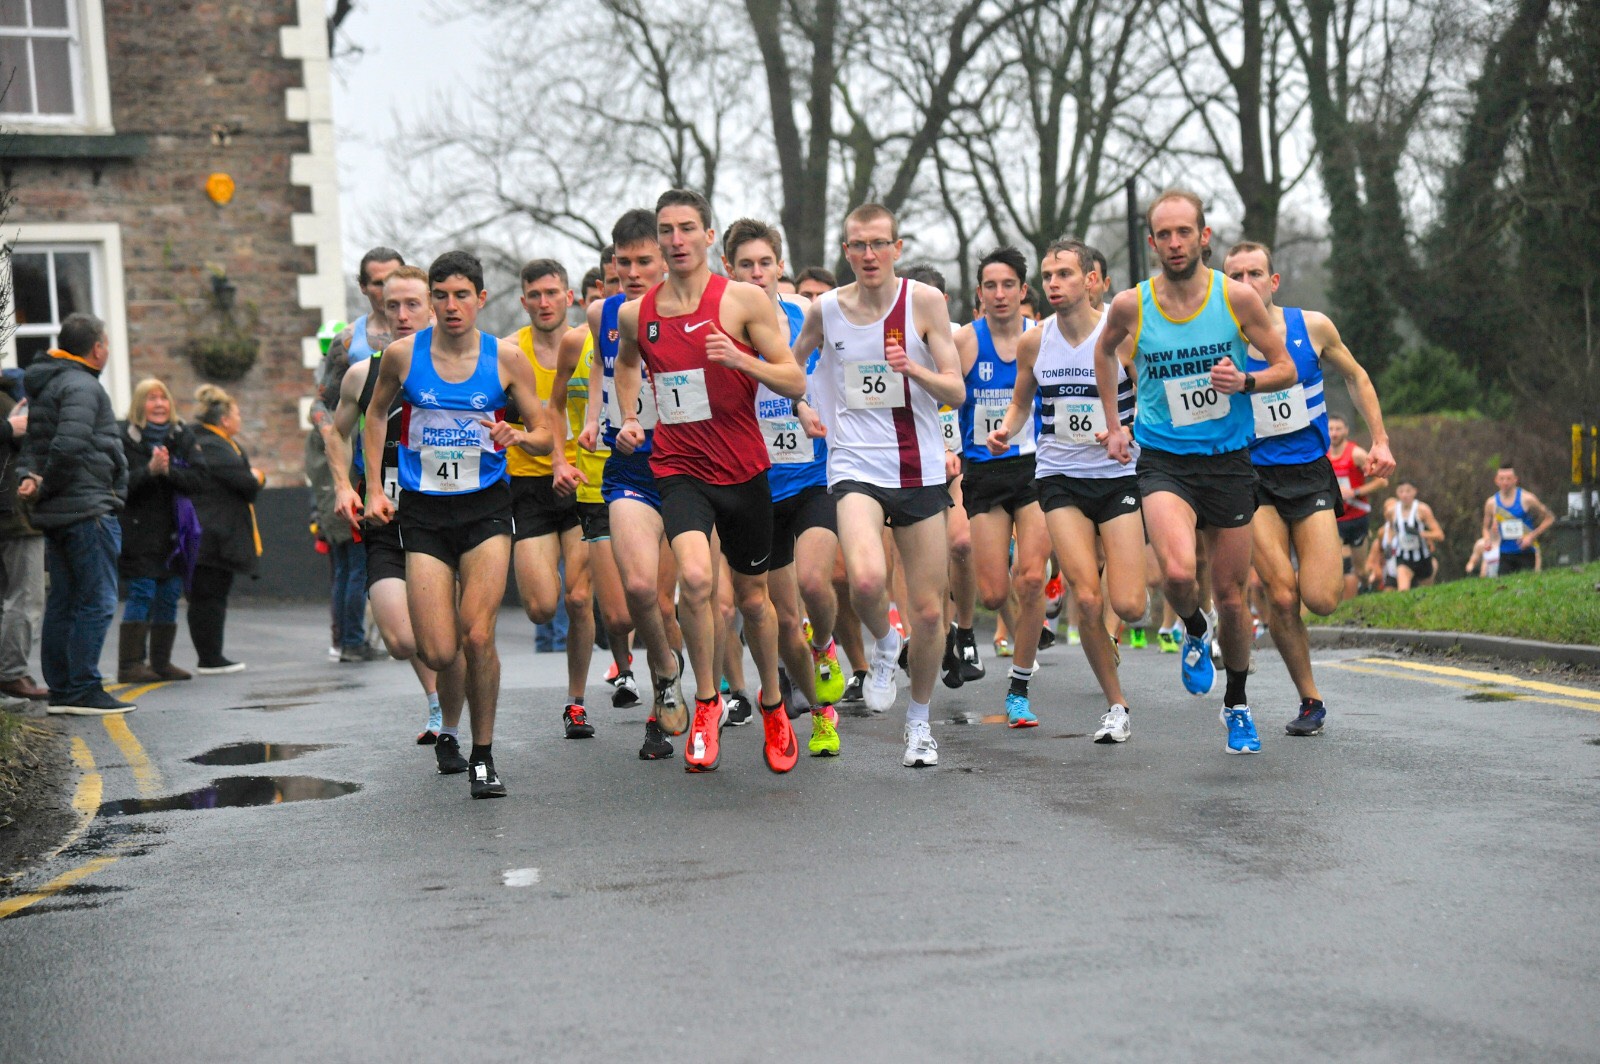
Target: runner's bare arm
{"type": "Point", "coordinates": [347, 503]}
{"type": "Point", "coordinates": [516, 376]}
{"type": "Point", "coordinates": [1531, 503]}
{"type": "Point", "coordinates": [392, 370]}
{"type": "Point", "coordinates": [931, 318]}
{"type": "Point", "coordinates": [748, 309]}
{"type": "Point", "coordinates": [1256, 325]}
{"type": "Point", "coordinates": [1490, 532]}
{"type": "Point", "coordinates": [1431, 529]}
{"type": "Point", "coordinates": [566, 476]}
{"type": "Point", "coordinates": [967, 348]}
{"type": "Point", "coordinates": [1121, 317]}
{"type": "Point", "coordinates": [627, 378]}
{"type": "Point", "coordinates": [1379, 462]}
{"type": "Point", "coordinates": [1022, 393]}
{"type": "Point", "coordinates": [810, 337]}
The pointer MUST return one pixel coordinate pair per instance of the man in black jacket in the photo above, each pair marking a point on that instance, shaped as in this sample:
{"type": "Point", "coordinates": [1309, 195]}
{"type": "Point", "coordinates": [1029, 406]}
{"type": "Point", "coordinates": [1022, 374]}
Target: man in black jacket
{"type": "Point", "coordinates": [21, 554]}
{"type": "Point", "coordinates": [75, 475]}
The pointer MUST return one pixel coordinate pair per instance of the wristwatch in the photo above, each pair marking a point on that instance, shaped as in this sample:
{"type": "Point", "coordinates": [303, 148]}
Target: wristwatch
{"type": "Point", "coordinates": [1249, 383]}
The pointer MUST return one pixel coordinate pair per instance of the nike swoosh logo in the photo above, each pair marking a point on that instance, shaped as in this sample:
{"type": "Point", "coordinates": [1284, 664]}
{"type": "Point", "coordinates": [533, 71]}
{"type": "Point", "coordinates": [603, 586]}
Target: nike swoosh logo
{"type": "Point", "coordinates": [696, 325]}
{"type": "Point", "coordinates": [761, 560]}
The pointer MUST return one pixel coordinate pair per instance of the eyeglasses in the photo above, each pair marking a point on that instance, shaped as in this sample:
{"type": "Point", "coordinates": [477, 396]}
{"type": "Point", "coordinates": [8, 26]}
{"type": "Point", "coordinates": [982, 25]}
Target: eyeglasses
{"type": "Point", "coordinates": [861, 247]}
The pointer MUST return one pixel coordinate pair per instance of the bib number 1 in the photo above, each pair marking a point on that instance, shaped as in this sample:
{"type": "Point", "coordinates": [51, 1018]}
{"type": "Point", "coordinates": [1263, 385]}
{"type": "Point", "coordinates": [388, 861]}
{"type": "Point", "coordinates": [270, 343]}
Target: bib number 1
{"type": "Point", "coordinates": [681, 397]}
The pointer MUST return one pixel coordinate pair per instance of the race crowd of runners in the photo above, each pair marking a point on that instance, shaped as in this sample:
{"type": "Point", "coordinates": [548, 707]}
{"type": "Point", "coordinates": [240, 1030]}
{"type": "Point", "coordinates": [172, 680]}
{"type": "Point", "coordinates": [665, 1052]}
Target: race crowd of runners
{"type": "Point", "coordinates": [833, 477]}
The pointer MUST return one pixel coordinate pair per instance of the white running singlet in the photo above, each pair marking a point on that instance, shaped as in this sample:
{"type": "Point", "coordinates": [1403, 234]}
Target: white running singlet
{"type": "Point", "coordinates": [1070, 409]}
{"type": "Point", "coordinates": [882, 429]}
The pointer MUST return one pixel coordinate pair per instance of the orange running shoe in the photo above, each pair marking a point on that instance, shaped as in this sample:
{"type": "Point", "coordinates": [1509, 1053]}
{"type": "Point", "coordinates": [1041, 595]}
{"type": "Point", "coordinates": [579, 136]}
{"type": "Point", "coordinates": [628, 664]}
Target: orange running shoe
{"type": "Point", "coordinates": [611, 673]}
{"type": "Point", "coordinates": [780, 748]}
{"type": "Point", "coordinates": [703, 752]}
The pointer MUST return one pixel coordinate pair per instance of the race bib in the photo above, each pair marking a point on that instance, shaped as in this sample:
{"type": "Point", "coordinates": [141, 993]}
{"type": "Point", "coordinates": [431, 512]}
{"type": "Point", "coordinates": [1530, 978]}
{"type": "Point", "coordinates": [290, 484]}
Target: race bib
{"type": "Point", "coordinates": [1280, 413]}
{"type": "Point", "coordinates": [391, 484]}
{"type": "Point", "coordinates": [1077, 420]}
{"type": "Point", "coordinates": [1410, 542]}
{"type": "Point", "coordinates": [1191, 400]}
{"type": "Point", "coordinates": [1345, 487]}
{"type": "Point", "coordinates": [644, 406]}
{"type": "Point", "coordinates": [449, 470]}
{"type": "Point", "coordinates": [1513, 528]}
{"type": "Point", "coordinates": [787, 443]}
{"type": "Point", "coordinates": [985, 419]}
{"type": "Point", "coordinates": [681, 396]}
{"type": "Point", "coordinates": [950, 429]}
{"type": "Point", "coordinates": [873, 386]}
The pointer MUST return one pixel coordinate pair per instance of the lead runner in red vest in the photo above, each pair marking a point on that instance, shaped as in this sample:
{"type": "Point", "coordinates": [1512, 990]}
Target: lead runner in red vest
{"type": "Point", "coordinates": [887, 364]}
{"type": "Point", "coordinates": [708, 342]}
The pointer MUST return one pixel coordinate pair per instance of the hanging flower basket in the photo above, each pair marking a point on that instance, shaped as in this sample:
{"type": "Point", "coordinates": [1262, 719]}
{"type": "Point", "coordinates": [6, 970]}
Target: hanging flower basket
{"type": "Point", "coordinates": [225, 357]}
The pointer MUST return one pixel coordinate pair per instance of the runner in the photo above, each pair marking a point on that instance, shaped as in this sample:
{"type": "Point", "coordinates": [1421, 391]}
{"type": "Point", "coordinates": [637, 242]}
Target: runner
{"type": "Point", "coordinates": [708, 343]}
{"type": "Point", "coordinates": [1506, 515]}
{"type": "Point", "coordinates": [1413, 534]}
{"type": "Point", "coordinates": [1295, 528]}
{"type": "Point", "coordinates": [548, 533]}
{"type": "Point", "coordinates": [407, 309]}
{"type": "Point", "coordinates": [1190, 328]}
{"type": "Point", "coordinates": [1349, 470]}
{"type": "Point", "coordinates": [887, 364]}
{"type": "Point", "coordinates": [998, 489]}
{"type": "Point", "coordinates": [455, 512]}
{"type": "Point", "coordinates": [811, 282]}
{"type": "Point", "coordinates": [1084, 494]}
{"type": "Point", "coordinates": [804, 531]}
{"type": "Point", "coordinates": [633, 505]}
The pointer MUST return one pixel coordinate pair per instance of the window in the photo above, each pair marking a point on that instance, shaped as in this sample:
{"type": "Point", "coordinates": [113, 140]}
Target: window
{"type": "Point", "coordinates": [52, 64]}
{"type": "Point", "coordinates": [57, 270]}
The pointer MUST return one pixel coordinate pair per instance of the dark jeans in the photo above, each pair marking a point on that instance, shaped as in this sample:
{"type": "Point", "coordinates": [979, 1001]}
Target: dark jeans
{"type": "Point", "coordinates": [208, 612]}
{"type": "Point", "coordinates": [349, 594]}
{"type": "Point", "coordinates": [81, 604]}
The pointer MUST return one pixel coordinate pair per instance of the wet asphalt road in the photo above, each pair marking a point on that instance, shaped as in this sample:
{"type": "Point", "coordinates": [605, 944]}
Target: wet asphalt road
{"type": "Point", "coordinates": [1416, 884]}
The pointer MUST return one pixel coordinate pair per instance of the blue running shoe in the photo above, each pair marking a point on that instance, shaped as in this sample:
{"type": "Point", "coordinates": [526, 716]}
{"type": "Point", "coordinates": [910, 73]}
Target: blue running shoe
{"type": "Point", "coordinates": [1309, 722]}
{"type": "Point", "coordinates": [1018, 715]}
{"type": "Point", "coordinates": [1199, 671]}
{"type": "Point", "coordinates": [1242, 737]}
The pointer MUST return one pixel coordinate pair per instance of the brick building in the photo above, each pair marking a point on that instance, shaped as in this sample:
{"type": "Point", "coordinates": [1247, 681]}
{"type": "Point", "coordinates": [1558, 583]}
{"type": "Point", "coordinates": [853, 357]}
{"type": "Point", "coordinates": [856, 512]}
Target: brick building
{"type": "Point", "coordinates": [116, 116]}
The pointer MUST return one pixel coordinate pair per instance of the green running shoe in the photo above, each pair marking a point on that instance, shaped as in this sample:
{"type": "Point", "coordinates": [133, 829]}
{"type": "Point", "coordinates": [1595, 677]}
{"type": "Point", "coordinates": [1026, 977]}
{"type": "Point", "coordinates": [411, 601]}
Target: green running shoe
{"type": "Point", "coordinates": [824, 740]}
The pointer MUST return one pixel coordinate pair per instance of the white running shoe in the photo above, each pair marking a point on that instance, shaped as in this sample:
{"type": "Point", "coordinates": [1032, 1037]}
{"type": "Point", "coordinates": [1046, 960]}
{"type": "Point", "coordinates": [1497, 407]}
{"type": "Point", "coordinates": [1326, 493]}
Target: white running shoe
{"type": "Point", "coordinates": [1114, 726]}
{"type": "Point", "coordinates": [921, 749]}
{"type": "Point", "coordinates": [880, 688]}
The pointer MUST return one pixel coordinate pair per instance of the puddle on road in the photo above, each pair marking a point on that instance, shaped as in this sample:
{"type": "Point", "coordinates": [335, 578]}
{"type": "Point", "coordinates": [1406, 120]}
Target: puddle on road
{"type": "Point", "coordinates": [257, 753]}
{"type": "Point", "coordinates": [309, 690]}
{"type": "Point", "coordinates": [236, 792]}
{"type": "Point", "coordinates": [1593, 742]}
{"type": "Point", "coordinates": [1491, 696]}
{"type": "Point", "coordinates": [267, 707]}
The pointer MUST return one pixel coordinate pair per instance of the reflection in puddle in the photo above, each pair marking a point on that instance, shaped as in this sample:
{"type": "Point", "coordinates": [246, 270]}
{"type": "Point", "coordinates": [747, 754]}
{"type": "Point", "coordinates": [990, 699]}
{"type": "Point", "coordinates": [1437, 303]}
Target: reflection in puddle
{"type": "Point", "coordinates": [257, 753]}
{"type": "Point", "coordinates": [236, 792]}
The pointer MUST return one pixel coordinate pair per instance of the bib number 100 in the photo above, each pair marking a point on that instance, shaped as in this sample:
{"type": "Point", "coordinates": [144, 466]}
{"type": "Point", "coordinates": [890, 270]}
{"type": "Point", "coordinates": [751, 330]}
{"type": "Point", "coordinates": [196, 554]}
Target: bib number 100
{"type": "Point", "coordinates": [1191, 400]}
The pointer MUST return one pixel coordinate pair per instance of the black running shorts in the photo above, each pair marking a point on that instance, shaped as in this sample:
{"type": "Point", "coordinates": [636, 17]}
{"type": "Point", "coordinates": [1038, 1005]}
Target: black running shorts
{"type": "Point", "coordinates": [386, 559]}
{"type": "Point", "coordinates": [1219, 488]}
{"type": "Point", "coordinates": [1098, 499]}
{"type": "Point", "coordinates": [448, 526]}
{"type": "Point", "coordinates": [901, 506]}
{"type": "Point", "coordinates": [1354, 533]}
{"type": "Point", "coordinates": [595, 518]}
{"type": "Point", "coordinates": [1516, 562]}
{"type": "Point", "coordinates": [1003, 482]}
{"type": "Point", "coordinates": [1298, 491]}
{"type": "Point", "coordinates": [539, 511]}
{"type": "Point", "coordinates": [741, 514]}
{"type": "Point", "coordinates": [809, 508]}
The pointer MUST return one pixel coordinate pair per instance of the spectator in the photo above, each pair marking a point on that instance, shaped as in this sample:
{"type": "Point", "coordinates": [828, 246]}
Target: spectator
{"type": "Point", "coordinates": [230, 542]}
{"type": "Point", "coordinates": [75, 476]}
{"type": "Point", "coordinates": [21, 554]}
{"type": "Point", "coordinates": [164, 470]}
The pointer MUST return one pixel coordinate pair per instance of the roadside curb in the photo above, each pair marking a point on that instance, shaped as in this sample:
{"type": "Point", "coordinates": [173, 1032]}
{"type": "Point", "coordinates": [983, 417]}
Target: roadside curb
{"type": "Point", "coordinates": [1488, 645]}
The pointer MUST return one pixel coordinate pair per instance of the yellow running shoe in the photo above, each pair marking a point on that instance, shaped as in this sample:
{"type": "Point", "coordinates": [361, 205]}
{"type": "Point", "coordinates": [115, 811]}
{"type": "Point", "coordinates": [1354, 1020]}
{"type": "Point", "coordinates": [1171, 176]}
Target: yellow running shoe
{"type": "Point", "coordinates": [830, 677]}
{"type": "Point", "coordinates": [824, 740]}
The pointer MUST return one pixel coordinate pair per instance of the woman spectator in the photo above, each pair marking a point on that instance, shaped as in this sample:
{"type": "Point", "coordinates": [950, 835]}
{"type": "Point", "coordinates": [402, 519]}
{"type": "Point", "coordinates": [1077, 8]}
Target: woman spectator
{"type": "Point", "coordinates": [230, 542]}
{"type": "Point", "coordinates": [164, 469]}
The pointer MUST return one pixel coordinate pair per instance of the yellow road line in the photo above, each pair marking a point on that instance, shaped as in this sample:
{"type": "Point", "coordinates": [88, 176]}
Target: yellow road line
{"type": "Point", "coordinates": [55, 886]}
{"type": "Point", "coordinates": [1488, 677]}
{"type": "Point", "coordinates": [85, 802]}
{"type": "Point", "coordinates": [144, 773]}
{"type": "Point", "coordinates": [1461, 685]}
{"type": "Point", "coordinates": [115, 687]}
{"type": "Point", "coordinates": [81, 755]}
{"type": "Point", "coordinates": [134, 694]}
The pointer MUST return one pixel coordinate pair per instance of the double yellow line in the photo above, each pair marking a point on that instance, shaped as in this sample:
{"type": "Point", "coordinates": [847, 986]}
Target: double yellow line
{"type": "Point", "coordinates": [1514, 688]}
{"type": "Point", "coordinates": [86, 802]}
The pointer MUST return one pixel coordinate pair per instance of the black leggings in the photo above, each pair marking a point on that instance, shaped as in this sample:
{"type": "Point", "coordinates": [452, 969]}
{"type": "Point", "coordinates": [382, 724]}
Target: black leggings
{"type": "Point", "coordinates": [208, 612]}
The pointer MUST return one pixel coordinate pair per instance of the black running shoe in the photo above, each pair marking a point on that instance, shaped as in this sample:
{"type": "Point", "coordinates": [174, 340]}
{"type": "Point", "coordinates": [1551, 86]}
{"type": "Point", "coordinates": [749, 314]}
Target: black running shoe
{"type": "Point", "coordinates": [951, 665]}
{"type": "Point", "coordinates": [486, 781]}
{"type": "Point", "coordinates": [739, 708]}
{"type": "Point", "coordinates": [576, 722]}
{"type": "Point", "coordinates": [656, 744]}
{"type": "Point", "coordinates": [905, 655]}
{"type": "Point", "coordinates": [1047, 637]}
{"type": "Point", "coordinates": [1309, 722]}
{"type": "Point", "coordinates": [427, 737]}
{"type": "Point", "coordinates": [852, 689]}
{"type": "Point", "coordinates": [971, 664]}
{"type": "Point", "coordinates": [624, 690]}
{"type": "Point", "coordinates": [447, 752]}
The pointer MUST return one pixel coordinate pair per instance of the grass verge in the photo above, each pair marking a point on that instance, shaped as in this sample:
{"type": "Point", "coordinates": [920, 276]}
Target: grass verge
{"type": "Point", "coordinates": [1555, 606]}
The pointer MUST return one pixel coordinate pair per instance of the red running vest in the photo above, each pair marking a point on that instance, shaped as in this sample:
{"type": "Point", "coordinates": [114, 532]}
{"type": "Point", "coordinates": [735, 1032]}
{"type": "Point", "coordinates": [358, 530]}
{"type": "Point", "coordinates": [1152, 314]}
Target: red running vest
{"type": "Point", "coordinates": [727, 447]}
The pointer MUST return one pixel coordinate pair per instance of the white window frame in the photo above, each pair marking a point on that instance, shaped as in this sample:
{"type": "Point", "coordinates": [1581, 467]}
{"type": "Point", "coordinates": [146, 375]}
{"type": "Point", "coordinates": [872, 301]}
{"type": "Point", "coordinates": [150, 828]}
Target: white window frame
{"type": "Point", "coordinates": [91, 81]}
{"type": "Point", "coordinates": [103, 240]}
